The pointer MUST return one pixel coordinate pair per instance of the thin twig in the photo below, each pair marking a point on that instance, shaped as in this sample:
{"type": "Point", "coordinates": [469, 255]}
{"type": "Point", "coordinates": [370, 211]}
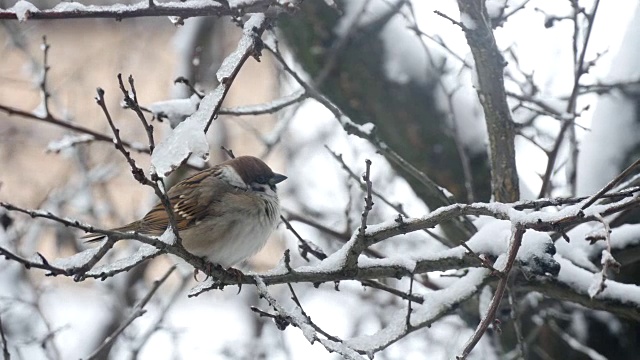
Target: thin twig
{"type": "Point", "coordinates": [137, 311]}
{"type": "Point", "coordinates": [175, 249]}
{"type": "Point", "coordinates": [43, 79]}
{"type": "Point", "coordinates": [303, 322]}
{"type": "Point", "coordinates": [517, 325]}
{"type": "Point", "coordinates": [410, 297]}
{"type": "Point", "coordinates": [5, 347]}
{"type": "Point", "coordinates": [295, 299]}
{"type": "Point", "coordinates": [454, 22]}
{"type": "Point", "coordinates": [397, 207]}
{"type": "Point", "coordinates": [137, 172]}
{"type": "Point", "coordinates": [70, 126]}
{"type": "Point", "coordinates": [142, 340]}
{"type": "Point", "coordinates": [487, 319]}
{"type": "Point", "coordinates": [132, 103]}
{"type": "Point", "coordinates": [305, 247]}
{"type": "Point", "coordinates": [611, 184]}
{"type": "Point", "coordinates": [580, 68]}
{"type": "Point", "coordinates": [368, 200]}
{"type": "Point", "coordinates": [408, 317]}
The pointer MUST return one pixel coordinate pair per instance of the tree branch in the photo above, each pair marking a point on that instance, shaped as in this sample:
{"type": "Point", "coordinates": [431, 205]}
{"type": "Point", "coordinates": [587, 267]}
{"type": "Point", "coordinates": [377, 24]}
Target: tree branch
{"type": "Point", "coordinates": [490, 72]}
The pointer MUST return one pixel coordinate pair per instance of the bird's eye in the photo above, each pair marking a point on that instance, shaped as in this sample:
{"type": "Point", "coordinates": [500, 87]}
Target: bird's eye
{"type": "Point", "coordinates": [262, 179]}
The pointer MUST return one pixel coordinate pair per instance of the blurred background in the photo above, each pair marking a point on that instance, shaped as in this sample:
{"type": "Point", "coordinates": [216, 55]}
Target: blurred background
{"type": "Point", "coordinates": [403, 68]}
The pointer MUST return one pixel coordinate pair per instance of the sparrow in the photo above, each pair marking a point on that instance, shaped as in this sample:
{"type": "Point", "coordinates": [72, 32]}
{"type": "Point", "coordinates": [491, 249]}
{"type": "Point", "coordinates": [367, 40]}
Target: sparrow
{"type": "Point", "coordinates": [225, 213]}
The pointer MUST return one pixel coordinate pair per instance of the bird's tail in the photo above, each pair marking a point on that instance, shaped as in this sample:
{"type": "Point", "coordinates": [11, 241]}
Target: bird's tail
{"type": "Point", "coordinates": [95, 237]}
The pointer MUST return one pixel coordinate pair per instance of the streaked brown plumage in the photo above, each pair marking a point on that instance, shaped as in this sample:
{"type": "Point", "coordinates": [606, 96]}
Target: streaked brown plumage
{"type": "Point", "coordinates": [225, 213]}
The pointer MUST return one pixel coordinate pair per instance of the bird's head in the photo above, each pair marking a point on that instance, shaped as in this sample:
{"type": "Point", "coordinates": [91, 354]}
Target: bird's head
{"type": "Point", "coordinates": [251, 173]}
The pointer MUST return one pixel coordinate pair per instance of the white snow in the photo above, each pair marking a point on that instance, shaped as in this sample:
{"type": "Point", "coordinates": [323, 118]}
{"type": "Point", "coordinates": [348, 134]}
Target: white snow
{"type": "Point", "coordinates": [614, 130]}
{"type": "Point", "coordinates": [578, 250]}
{"type": "Point", "coordinates": [69, 6]}
{"type": "Point", "coordinates": [495, 7]}
{"type": "Point", "coordinates": [77, 260]}
{"type": "Point", "coordinates": [581, 280]}
{"type": "Point", "coordinates": [405, 262]}
{"type": "Point", "coordinates": [23, 10]}
{"type": "Point", "coordinates": [176, 110]}
{"type": "Point", "coordinates": [40, 110]}
{"type": "Point", "coordinates": [145, 251]}
{"type": "Point", "coordinates": [168, 237]}
{"type": "Point", "coordinates": [625, 235]}
{"type": "Point", "coordinates": [435, 305]}
{"type": "Point", "coordinates": [188, 138]}
{"type": "Point", "coordinates": [484, 300]}
{"type": "Point", "coordinates": [229, 64]}
{"type": "Point", "coordinates": [68, 141]}
{"type": "Point", "coordinates": [467, 21]}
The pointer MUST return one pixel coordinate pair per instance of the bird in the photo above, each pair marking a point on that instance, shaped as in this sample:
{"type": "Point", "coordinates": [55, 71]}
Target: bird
{"type": "Point", "coordinates": [224, 214]}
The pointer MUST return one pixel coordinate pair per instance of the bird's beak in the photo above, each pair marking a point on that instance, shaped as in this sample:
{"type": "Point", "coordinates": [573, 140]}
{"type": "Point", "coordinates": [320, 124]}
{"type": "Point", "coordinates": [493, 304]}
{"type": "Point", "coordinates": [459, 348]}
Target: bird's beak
{"type": "Point", "coordinates": [276, 179]}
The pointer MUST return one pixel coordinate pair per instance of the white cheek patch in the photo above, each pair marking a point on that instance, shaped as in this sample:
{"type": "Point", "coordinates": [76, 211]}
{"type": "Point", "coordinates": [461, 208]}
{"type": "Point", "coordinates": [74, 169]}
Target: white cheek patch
{"type": "Point", "coordinates": [231, 176]}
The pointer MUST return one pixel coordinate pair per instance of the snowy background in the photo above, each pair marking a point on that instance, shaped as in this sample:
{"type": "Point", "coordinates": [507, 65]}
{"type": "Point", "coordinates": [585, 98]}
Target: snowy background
{"type": "Point", "coordinates": [45, 168]}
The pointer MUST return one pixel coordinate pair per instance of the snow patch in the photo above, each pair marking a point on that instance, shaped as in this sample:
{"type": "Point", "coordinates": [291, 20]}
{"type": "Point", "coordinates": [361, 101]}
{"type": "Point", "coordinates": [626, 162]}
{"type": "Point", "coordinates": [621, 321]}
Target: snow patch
{"type": "Point", "coordinates": [23, 10]}
{"type": "Point", "coordinates": [186, 139]}
{"type": "Point", "coordinates": [175, 110]}
{"type": "Point", "coordinates": [467, 21]}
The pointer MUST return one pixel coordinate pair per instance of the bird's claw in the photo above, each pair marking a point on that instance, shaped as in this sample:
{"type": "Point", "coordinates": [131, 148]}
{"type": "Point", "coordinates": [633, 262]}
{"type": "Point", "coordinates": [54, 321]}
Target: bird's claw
{"type": "Point", "coordinates": [238, 275]}
{"type": "Point", "coordinates": [231, 272]}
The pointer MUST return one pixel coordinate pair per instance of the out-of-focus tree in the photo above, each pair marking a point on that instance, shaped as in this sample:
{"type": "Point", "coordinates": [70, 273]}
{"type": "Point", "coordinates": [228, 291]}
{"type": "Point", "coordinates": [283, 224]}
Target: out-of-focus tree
{"type": "Point", "coordinates": [449, 235]}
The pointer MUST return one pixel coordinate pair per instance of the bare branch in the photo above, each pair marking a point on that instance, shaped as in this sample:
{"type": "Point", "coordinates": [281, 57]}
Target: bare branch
{"type": "Point", "coordinates": [136, 312]}
{"type": "Point", "coordinates": [158, 184]}
{"type": "Point", "coordinates": [487, 319]}
{"type": "Point", "coordinates": [5, 348]}
{"type": "Point", "coordinates": [611, 184]}
{"type": "Point", "coordinates": [70, 126]}
{"type": "Point", "coordinates": [490, 71]}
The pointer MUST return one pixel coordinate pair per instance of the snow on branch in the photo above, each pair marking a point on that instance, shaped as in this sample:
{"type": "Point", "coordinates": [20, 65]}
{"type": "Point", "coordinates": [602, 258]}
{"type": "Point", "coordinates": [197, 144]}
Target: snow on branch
{"type": "Point", "coordinates": [24, 10]}
{"type": "Point", "coordinates": [515, 238]}
{"type": "Point", "coordinates": [188, 138]}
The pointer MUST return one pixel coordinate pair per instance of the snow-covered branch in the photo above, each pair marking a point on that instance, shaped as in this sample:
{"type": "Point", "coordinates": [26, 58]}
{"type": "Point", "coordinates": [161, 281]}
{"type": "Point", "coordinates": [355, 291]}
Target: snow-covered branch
{"type": "Point", "coordinates": [24, 10]}
{"type": "Point", "coordinates": [188, 138]}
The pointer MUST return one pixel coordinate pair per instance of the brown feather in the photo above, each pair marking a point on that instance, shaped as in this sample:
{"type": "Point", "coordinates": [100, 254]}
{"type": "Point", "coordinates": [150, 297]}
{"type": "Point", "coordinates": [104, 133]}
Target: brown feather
{"type": "Point", "coordinates": [192, 202]}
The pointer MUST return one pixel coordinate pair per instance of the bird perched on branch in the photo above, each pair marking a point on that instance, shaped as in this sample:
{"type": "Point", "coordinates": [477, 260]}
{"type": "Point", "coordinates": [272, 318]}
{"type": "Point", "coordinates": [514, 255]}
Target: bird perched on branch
{"type": "Point", "coordinates": [224, 214]}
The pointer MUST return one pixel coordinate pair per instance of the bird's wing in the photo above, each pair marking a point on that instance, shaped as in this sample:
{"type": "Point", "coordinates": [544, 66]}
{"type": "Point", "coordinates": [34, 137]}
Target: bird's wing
{"type": "Point", "coordinates": [190, 200]}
